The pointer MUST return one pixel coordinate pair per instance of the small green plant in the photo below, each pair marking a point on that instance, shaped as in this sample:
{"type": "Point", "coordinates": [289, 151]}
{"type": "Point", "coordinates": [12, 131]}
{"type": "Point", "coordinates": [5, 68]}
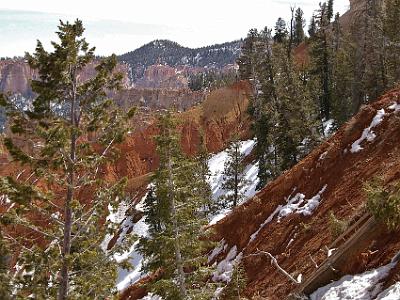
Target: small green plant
{"type": "Point", "coordinates": [336, 226]}
{"type": "Point", "coordinates": [384, 202]}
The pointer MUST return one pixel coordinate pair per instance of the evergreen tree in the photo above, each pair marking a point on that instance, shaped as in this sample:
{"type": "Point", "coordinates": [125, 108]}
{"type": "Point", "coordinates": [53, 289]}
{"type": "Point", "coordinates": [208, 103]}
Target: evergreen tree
{"type": "Point", "coordinates": [312, 28]}
{"type": "Point", "coordinates": [59, 200]}
{"type": "Point", "coordinates": [392, 41]}
{"type": "Point", "coordinates": [233, 175]}
{"type": "Point", "coordinates": [321, 56]}
{"type": "Point", "coordinates": [5, 278]}
{"type": "Point", "coordinates": [298, 34]}
{"type": "Point", "coordinates": [246, 61]}
{"type": "Point", "coordinates": [343, 74]}
{"type": "Point", "coordinates": [174, 211]}
{"type": "Point", "coordinates": [373, 72]}
{"type": "Point", "coordinates": [281, 32]}
{"type": "Point", "coordinates": [296, 129]}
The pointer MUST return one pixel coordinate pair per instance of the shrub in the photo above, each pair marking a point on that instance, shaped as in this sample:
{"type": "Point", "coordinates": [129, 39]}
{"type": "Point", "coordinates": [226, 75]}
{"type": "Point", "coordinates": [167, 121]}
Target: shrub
{"type": "Point", "coordinates": [384, 202]}
{"type": "Point", "coordinates": [336, 226]}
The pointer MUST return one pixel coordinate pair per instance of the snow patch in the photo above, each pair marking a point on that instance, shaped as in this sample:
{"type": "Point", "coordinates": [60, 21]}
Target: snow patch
{"type": "Point", "coordinates": [368, 134]}
{"type": "Point", "coordinates": [216, 165]}
{"type": "Point", "coordinates": [226, 266]}
{"type": "Point", "coordinates": [357, 287]}
{"type": "Point", "coordinates": [151, 296]}
{"type": "Point", "coordinates": [391, 293]}
{"type": "Point", "coordinates": [297, 204]}
{"type": "Point", "coordinates": [328, 127]}
{"type": "Point", "coordinates": [395, 106]}
{"type": "Point", "coordinates": [217, 250]}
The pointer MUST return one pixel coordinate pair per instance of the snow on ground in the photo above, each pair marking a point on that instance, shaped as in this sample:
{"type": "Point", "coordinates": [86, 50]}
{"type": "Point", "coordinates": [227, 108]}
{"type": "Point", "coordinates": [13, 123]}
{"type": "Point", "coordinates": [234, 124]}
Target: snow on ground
{"type": "Point", "coordinates": [216, 165]}
{"type": "Point", "coordinates": [125, 277]}
{"type": "Point", "coordinates": [226, 266]}
{"type": "Point", "coordinates": [365, 286]}
{"type": "Point", "coordinates": [391, 293]}
{"type": "Point", "coordinates": [395, 106]}
{"type": "Point", "coordinates": [368, 134]}
{"type": "Point", "coordinates": [217, 250]}
{"type": "Point", "coordinates": [151, 296]}
{"type": "Point", "coordinates": [297, 204]}
{"type": "Point", "coordinates": [328, 127]}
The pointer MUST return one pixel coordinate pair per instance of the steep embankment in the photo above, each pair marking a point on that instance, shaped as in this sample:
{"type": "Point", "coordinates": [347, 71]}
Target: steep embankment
{"type": "Point", "coordinates": [289, 218]}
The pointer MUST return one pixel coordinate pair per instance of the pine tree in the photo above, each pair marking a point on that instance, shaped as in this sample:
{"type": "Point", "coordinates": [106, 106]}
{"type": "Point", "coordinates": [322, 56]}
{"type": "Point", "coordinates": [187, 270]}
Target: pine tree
{"type": "Point", "coordinates": [60, 200]}
{"type": "Point", "coordinates": [392, 41]}
{"type": "Point", "coordinates": [246, 60]}
{"type": "Point", "coordinates": [263, 109]}
{"type": "Point", "coordinates": [373, 73]}
{"type": "Point", "coordinates": [296, 129]}
{"type": "Point", "coordinates": [321, 56]}
{"type": "Point", "coordinates": [174, 211]}
{"type": "Point", "coordinates": [281, 32]}
{"type": "Point", "coordinates": [312, 28]}
{"type": "Point", "coordinates": [298, 35]}
{"type": "Point", "coordinates": [343, 74]}
{"type": "Point", "coordinates": [234, 179]}
{"type": "Point", "coordinates": [5, 277]}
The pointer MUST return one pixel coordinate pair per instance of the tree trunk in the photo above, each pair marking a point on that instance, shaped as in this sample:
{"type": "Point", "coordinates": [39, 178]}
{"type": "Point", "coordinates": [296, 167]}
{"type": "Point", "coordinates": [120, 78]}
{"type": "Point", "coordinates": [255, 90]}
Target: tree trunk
{"type": "Point", "coordinates": [178, 254]}
{"type": "Point", "coordinates": [66, 248]}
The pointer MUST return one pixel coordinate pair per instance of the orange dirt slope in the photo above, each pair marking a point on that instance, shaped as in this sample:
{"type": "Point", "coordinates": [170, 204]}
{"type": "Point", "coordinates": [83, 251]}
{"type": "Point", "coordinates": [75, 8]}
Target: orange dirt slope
{"type": "Point", "coordinates": [296, 238]}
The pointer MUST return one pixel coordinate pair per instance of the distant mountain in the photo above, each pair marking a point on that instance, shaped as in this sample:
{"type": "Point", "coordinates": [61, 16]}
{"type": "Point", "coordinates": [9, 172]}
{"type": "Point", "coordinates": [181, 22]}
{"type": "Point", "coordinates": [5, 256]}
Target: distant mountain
{"type": "Point", "coordinates": [172, 54]}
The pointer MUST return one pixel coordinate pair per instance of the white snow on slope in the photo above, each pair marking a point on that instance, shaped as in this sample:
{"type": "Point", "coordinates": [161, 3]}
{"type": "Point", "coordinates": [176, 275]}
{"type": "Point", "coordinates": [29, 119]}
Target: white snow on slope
{"type": "Point", "coordinates": [297, 204]}
{"type": "Point", "coordinates": [151, 296]}
{"type": "Point", "coordinates": [395, 106]}
{"type": "Point", "coordinates": [365, 286]}
{"type": "Point", "coordinates": [391, 293]}
{"type": "Point", "coordinates": [125, 277]}
{"type": "Point", "coordinates": [217, 250]}
{"type": "Point", "coordinates": [368, 134]}
{"type": "Point", "coordinates": [216, 165]}
{"type": "Point", "coordinates": [226, 266]}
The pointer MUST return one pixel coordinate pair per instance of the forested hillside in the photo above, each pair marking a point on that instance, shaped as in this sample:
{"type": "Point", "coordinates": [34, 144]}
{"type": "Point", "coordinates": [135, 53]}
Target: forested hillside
{"type": "Point", "coordinates": [172, 54]}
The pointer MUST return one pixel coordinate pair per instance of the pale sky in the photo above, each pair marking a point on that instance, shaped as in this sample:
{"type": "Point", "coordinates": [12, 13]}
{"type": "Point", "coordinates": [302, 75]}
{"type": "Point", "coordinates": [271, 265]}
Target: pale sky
{"type": "Point", "coordinates": [118, 26]}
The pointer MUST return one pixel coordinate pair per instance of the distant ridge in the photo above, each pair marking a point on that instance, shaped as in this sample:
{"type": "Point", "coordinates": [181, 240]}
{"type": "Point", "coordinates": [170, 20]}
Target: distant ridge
{"type": "Point", "coordinates": [172, 54]}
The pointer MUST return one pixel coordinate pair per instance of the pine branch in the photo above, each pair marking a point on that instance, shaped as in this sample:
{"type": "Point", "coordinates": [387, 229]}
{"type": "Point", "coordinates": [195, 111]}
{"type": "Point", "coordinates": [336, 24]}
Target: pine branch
{"type": "Point", "coordinates": [34, 228]}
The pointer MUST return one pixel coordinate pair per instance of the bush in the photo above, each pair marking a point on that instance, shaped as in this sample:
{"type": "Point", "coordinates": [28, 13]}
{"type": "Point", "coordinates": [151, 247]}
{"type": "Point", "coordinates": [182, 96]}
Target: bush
{"type": "Point", "coordinates": [336, 226]}
{"type": "Point", "coordinates": [384, 202]}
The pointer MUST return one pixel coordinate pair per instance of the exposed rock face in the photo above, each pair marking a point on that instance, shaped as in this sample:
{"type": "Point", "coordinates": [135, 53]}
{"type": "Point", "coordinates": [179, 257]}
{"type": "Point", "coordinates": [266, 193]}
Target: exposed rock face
{"type": "Point", "coordinates": [15, 77]}
{"type": "Point", "coordinates": [159, 98]}
{"type": "Point", "coordinates": [162, 76]}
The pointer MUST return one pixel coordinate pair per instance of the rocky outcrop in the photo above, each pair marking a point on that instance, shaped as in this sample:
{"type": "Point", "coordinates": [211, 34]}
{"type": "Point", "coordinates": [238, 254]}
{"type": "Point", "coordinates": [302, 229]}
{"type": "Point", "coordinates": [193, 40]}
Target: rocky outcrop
{"type": "Point", "coordinates": [15, 76]}
{"type": "Point", "coordinates": [162, 77]}
{"type": "Point", "coordinates": [159, 98]}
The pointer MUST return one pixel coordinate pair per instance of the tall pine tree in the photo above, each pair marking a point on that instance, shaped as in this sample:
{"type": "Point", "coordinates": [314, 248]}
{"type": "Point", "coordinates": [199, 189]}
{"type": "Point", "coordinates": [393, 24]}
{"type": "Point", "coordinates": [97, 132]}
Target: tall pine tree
{"type": "Point", "coordinates": [234, 179]}
{"type": "Point", "coordinates": [175, 213]}
{"type": "Point", "coordinates": [59, 200]}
